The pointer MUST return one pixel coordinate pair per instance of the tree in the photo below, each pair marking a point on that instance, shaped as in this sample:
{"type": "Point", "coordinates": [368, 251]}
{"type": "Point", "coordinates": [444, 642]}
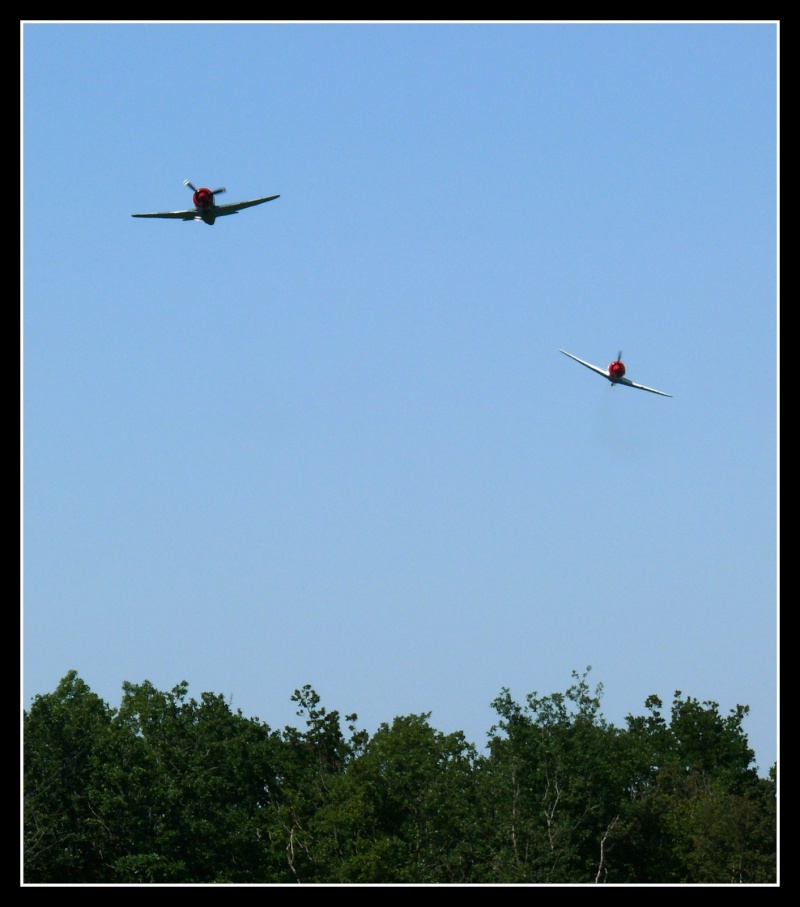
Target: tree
{"type": "Point", "coordinates": [698, 811]}
{"type": "Point", "coordinates": [206, 776]}
{"type": "Point", "coordinates": [405, 809]}
{"type": "Point", "coordinates": [311, 765]}
{"type": "Point", "coordinates": [552, 786]}
{"type": "Point", "coordinates": [172, 789]}
{"type": "Point", "coordinates": [167, 789]}
{"type": "Point", "coordinates": [64, 735]}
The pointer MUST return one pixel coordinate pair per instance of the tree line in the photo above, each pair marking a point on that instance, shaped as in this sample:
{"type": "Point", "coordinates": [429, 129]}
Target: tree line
{"type": "Point", "coordinates": [171, 789]}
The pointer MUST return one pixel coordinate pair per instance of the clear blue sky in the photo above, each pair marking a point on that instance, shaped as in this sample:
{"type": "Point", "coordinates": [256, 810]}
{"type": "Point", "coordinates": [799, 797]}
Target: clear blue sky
{"type": "Point", "coordinates": [331, 440]}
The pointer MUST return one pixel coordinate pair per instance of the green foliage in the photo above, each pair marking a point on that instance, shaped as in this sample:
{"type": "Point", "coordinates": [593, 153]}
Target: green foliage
{"type": "Point", "coordinates": [64, 737]}
{"type": "Point", "coordinates": [165, 790]}
{"type": "Point", "coordinates": [310, 766]}
{"type": "Point", "coordinates": [404, 811]}
{"type": "Point", "coordinates": [698, 811]}
{"type": "Point", "coordinates": [557, 779]}
{"type": "Point", "coordinates": [169, 789]}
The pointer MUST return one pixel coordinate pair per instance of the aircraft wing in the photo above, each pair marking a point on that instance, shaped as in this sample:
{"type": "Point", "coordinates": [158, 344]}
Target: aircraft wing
{"type": "Point", "coordinates": [177, 215]}
{"type": "Point", "coordinates": [594, 368]}
{"type": "Point", "coordinates": [641, 387]}
{"type": "Point", "coordinates": [221, 210]}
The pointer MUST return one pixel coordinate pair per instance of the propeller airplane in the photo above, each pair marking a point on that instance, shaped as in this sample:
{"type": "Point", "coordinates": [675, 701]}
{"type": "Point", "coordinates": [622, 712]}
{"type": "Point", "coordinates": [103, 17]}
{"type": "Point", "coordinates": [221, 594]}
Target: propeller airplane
{"type": "Point", "coordinates": [205, 208]}
{"type": "Point", "coordinates": [615, 373]}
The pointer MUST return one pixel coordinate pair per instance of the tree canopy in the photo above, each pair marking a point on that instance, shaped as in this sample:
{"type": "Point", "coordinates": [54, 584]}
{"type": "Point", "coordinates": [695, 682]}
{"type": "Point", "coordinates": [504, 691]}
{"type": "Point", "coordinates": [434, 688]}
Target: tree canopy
{"type": "Point", "coordinates": [170, 789]}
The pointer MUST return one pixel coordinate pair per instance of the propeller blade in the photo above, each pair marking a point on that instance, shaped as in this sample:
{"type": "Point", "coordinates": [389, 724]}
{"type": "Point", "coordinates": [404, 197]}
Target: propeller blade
{"type": "Point", "coordinates": [217, 191]}
{"type": "Point", "coordinates": [187, 183]}
{"type": "Point", "coordinates": [619, 356]}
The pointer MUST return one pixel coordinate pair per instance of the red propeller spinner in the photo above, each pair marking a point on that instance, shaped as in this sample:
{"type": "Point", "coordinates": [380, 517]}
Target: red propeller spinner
{"type": "Point", "coordinates": [203, 198]}
{"type": "Point", "coordinates": [617, 367]}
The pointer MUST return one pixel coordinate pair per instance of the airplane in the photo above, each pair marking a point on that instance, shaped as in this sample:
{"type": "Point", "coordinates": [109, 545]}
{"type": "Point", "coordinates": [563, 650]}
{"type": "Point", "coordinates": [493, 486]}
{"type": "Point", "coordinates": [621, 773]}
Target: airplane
{"type": "Point", "coordinates": [615, 373]}
{"type": "Point", "coordinates": [205, 208]}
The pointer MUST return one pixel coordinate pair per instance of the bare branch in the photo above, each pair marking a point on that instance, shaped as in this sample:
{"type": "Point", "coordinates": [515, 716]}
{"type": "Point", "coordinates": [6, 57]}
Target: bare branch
{"type": "Point", "coordinates": [602, 868]}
